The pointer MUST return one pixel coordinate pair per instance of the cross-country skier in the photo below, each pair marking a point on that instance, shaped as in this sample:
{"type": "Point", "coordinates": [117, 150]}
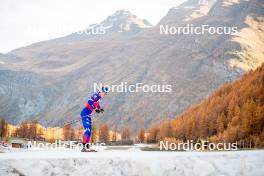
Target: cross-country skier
{"type": "Point", "coordinates": [86, 116]}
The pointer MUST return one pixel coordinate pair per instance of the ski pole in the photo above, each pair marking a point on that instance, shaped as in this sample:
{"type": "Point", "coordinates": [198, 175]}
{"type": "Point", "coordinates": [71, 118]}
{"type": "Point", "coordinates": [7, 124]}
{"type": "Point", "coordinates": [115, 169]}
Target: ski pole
{"type": "Point", "coordinates": [72, 122]}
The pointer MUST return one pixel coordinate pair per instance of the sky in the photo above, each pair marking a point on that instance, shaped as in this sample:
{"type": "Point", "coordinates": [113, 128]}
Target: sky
{"type": "Point", "coordinates": [29, 21]}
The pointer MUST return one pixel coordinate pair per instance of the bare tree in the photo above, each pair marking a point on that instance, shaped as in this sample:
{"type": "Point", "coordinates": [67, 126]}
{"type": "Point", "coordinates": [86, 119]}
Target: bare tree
{"type": "Point", "coordinates": [72, 134]}
{"type": "Point", "coordinates": [103, 133]}
{"type": "Point", "coordinates": [23, 130]}
{"type": "Point", "coordinates": [67, 132]}
{"type": "Point", "coordinates": [126, 134]}
{"type": "Point", "coordinates": [153, 134]}
{"type": "Point", "coordinates": [141, 135]}
{"type": "Point", "coordinates": [33, 129]}
{"type": "Point", "coordinates": [3, 128]}
{"type": "Point", "coordinates": [94, 133]}
{"type": "Point", "coordinates": [80, 133]}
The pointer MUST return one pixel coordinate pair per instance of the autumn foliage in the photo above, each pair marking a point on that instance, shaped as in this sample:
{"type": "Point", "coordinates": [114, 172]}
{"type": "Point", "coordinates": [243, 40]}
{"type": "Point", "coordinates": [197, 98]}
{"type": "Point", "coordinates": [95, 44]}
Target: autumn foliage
{"type": "Point", "coordinates": [104, 133]}
{"type": "Point", "coordinates": [233, 113]}
{"type": "Point", "coordinates": [3, 128]}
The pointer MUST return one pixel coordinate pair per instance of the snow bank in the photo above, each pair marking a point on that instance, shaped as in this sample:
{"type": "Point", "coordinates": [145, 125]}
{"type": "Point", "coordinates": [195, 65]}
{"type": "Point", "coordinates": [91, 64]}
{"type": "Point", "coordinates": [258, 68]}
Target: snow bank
{"type": "Point", "coordinates": [32, 163]}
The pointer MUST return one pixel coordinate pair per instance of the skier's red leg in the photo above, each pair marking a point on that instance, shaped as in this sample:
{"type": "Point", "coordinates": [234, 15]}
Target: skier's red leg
{"type": "Point", "coordinates": [86, 138]}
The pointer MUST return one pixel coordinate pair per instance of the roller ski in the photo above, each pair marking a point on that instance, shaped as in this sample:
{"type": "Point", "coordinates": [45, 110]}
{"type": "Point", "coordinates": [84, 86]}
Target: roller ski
{"type": "Point", "coordinates": [86, 148]}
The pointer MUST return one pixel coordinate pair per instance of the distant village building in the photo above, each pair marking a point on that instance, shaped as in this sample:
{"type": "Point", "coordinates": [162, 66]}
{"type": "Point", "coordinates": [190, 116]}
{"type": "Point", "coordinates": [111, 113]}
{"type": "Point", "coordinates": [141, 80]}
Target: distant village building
{"type": "Point", "coordinates": [18, 143]}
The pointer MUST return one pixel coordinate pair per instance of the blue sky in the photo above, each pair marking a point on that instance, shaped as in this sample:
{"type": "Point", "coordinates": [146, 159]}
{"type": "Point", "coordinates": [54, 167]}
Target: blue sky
{"type": "Point", "coordinates": [28, 21]}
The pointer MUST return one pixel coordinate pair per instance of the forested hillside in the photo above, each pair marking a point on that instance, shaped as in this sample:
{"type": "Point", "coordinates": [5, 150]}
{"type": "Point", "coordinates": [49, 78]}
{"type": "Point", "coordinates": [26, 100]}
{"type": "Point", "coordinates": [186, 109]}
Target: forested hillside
{"type": "Point", "coordinates": [235, 112]}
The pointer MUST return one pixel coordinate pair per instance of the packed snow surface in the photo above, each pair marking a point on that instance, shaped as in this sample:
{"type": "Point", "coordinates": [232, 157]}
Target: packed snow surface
{"type": "Point", "coordinates": [132, 162]}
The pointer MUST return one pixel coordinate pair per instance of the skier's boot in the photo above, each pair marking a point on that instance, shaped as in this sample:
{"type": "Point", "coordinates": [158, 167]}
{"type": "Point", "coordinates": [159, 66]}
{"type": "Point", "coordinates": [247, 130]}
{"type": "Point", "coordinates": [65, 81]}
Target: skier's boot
{"type": "Point", "coordinates": [86, 148]}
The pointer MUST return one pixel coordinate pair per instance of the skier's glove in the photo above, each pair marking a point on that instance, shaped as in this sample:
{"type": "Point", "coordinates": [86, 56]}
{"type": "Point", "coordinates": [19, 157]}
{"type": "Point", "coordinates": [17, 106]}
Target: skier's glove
{"type": "Point", "coordinates": [102, 110]}
{"type": "Point", "coordinates": [97, 111]}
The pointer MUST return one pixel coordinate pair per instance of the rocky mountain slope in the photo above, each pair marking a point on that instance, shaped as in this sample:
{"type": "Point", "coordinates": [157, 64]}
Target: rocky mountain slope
{"type": "Point", "coordinates": [51, 80]}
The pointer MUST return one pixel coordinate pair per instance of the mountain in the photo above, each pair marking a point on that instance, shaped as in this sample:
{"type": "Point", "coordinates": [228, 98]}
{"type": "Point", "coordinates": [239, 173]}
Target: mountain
{"type": "Point", "coordinates": [120, 22]}
{"type": "Point", "coordinates": [51, 80]}
{"type": "Point", "coordinates": [125, 21]}
{"type": "Point", "coordinates": [234, 113]}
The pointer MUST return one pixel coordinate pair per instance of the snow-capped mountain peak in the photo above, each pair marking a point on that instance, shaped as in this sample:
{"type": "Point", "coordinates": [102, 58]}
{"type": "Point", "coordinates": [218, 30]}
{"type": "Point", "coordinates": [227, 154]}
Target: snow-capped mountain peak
{"type": "Point", "coordinates": [122, 21]}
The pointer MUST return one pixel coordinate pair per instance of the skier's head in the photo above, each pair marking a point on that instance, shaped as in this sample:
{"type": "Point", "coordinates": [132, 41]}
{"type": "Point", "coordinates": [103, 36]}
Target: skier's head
{"type": "Point", "coordinates": [104, 91]}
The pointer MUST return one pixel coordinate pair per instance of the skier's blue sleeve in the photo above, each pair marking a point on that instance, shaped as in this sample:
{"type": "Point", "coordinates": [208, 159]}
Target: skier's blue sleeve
{"type": "Point", "coordinates": [94, 99]}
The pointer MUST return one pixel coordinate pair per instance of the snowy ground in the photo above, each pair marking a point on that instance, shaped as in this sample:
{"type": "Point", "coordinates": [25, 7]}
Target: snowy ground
{"type": "Point", "coordinates": [132, 162]}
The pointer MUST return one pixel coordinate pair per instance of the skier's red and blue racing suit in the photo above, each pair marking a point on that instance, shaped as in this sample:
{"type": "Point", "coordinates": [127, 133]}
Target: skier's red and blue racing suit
{"type": "Point", "coordinates": [86, 116]}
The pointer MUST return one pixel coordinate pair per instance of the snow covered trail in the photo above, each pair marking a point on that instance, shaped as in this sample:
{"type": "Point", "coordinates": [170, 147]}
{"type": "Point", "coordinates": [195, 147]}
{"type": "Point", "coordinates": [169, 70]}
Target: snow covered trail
{"type": "Point", "coordinates": [32, 163]}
